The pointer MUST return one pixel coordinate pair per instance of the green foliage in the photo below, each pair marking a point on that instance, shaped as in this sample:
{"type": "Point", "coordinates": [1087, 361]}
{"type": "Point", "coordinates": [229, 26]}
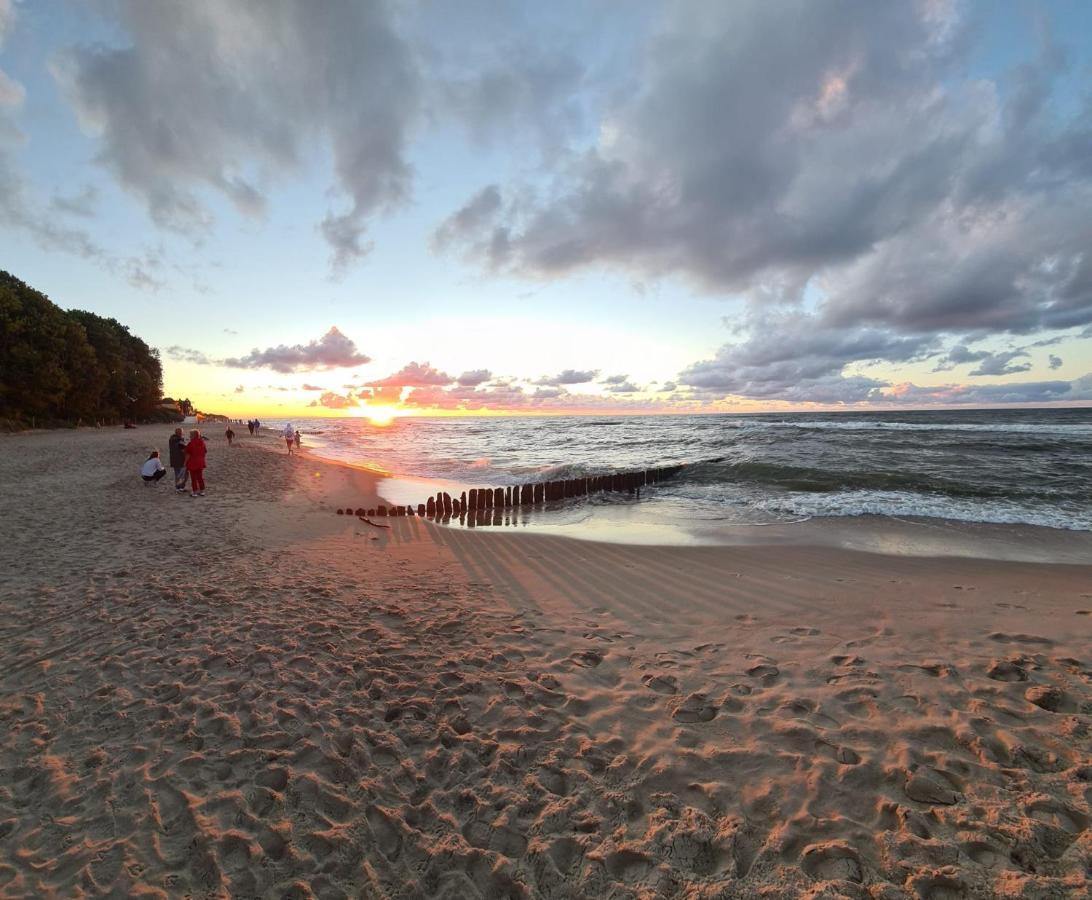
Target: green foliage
{"type": "Point", "coordinates": [70, 366]}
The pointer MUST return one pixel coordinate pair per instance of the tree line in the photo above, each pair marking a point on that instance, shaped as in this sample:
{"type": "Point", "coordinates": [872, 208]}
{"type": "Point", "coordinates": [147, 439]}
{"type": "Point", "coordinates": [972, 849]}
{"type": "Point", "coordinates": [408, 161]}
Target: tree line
{"type": "Point", "coordinates": [70, 366]}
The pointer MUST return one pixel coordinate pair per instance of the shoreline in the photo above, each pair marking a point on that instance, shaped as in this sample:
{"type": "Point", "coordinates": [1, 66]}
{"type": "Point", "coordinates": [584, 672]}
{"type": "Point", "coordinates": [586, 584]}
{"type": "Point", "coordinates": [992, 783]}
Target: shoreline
{"type": "Point", "coordinates": [245, 693]}
{"type": "Point", "coordinates": [623, 523]}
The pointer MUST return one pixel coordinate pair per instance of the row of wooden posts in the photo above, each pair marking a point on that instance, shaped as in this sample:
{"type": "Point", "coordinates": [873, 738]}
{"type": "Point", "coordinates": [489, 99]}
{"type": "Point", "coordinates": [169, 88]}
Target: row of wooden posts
{"type": "Point", "coordinates": [443, 505]}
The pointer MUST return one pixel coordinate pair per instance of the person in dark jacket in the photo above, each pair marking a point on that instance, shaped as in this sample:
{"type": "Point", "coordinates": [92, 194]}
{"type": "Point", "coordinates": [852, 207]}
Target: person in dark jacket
{"type": "Point", "coordinates": [177, 444]}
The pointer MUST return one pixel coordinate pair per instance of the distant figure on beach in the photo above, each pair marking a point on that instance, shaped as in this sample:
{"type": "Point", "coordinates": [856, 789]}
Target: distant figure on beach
{"type": "Point", "coordinates": [177, 447]}
{"type": "Point", "coordinates": [250, 426]}
{"type": "Point", "coordinates": [289, 437]}
{"type": "Point", "coordinates": [195, 463]}
{"type": "Point", "coordinates": [298, 441]}
{"type": "Point", "coordinates": [257, 428]}
{"type": "Point", "coordinates": [152, 470]}
{"type": "Point", "coordinates": [230, 435]}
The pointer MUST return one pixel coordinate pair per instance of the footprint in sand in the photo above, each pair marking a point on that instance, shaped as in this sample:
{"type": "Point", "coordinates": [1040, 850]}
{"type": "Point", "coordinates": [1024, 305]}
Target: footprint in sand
{"type": "Point", "coordinates": [1006, 670]}
{"type": "Point", "coordinates": [661, 684]}
{"type": "Point", "coordinates": [938, 886]}
{"type": "Point", "coordinates": [1004, 638]}
{"type": "Point", "coordinates": [589, 659]}
{"type": "Point", "coordinates": [764, 671]}
{"type": "Point", "coordinates": [695, 708]}
{"type": "Point", "coordinates": [1058, 814]}
{"type": "Point", "coordinates": [387, 838]}
{"type": "Point", "coordinates": [832, 861]}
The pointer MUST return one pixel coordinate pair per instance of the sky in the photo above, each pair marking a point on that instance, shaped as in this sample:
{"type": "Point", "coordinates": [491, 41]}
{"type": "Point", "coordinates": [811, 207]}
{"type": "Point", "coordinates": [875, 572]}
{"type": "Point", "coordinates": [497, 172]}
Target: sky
{"type": "Point", "coordinates": [348, 208]}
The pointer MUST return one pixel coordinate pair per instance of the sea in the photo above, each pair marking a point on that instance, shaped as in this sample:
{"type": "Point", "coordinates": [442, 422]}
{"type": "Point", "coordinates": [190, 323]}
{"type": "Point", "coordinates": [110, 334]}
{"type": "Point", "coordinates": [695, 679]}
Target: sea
{"type": "Point", "coordinates": [1029, 467]}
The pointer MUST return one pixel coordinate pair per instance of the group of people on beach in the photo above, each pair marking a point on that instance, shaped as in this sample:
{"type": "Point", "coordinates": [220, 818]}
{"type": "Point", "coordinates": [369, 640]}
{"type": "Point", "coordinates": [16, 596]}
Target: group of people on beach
{"type": "Point", "coordinates": [187, 459]}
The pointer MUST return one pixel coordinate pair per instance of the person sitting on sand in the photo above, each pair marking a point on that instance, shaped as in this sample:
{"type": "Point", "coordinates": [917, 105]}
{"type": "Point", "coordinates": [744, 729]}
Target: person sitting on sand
{"type": "Point", "coordinates": [152, 470]}
{"type": "Point", "coordinates": [289, 437]}
{"type": "Point", "coordinates": [195, 463]}
{"type": "Point", "coordinates": [230, 435]}
{"type": "Point", "coordinates": [177, 446]}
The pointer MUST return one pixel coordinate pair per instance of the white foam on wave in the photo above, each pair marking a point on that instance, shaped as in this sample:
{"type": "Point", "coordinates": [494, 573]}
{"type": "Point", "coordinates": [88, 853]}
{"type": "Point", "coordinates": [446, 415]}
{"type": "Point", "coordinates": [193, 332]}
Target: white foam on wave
{"type": "Point", "coordinates": [902, 504]}
{"type": "Point", "coordinates": [1069, 430]}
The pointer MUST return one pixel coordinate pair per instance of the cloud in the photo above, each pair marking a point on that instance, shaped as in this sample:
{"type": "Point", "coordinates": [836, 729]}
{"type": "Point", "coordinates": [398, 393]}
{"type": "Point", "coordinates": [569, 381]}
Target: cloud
{"type": "Point", "coordinates": [516, 90]}
{"type": "Point", "coordinates": [185, 354]}
{"type": "Point", "coordinates": [1002, 363]}
{"type": "Point", "coordinates": [478, 211]}
{"type": "Point", "coordinates": [474, 378]}
{"type": "Point", "coordinates": [959, 355]}
{"type": "Point", "coordinates": [569, 376]}
{"type": "Point", "coordinates": [548, 393]}
{"type": "Point", "coordinates": [792, 356]}
{"type": "Point", "coordinates": [1055, 361]}
{"type": "Point", "coordinates": [614, 379]}
{"type": "Point", "coordinates": [965, 209]}
{"type": "Point", "coordinates": [80, 204]}
{"type": "Point", "coordinates": [1079, 389]}
{"type": "Point", "coordinates": [12, 93]}
{"type": "Point", "coordinates": [330, 400]}
{"type": "Point", "coordinates": [990, 363]}
{"type": "Point", "coordinates": [414, 375]}
{"type": "Point", "coordinates": [310, 387]}
{"type": "Point", "coordinates": [332, 351]}
{"type": "Point", "coordinates": [240, 389]}
{"type": "Point", "coordinates": [206, 99]}
{"type": "Point", "coordinates": [625, 387]}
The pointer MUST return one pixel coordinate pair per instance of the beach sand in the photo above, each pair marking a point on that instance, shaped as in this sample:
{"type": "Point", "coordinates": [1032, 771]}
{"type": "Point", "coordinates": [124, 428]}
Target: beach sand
{"type": "Point", "coordinates": [246, 694]}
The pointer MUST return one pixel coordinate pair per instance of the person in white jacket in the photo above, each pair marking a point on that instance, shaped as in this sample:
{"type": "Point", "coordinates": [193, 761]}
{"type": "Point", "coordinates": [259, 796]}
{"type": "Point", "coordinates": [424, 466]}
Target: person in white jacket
{"type": "Point", "coordinates": [289, 436]}
{"type": "Point", "coordinates": [152, 469]}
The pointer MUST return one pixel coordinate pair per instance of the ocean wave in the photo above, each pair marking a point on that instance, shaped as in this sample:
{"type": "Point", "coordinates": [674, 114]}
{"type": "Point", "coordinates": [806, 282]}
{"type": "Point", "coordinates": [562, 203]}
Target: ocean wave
{"type": "Point", "coordinates": [902, 504]}
{"type": "Point", "coordinates": [807, 479]}
{"type": "Point", "coordinates": [1073, 430]}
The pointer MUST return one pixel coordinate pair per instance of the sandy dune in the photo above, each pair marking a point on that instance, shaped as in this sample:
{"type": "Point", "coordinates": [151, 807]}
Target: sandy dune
{"type": "Point", "coordinates": [245, 694]}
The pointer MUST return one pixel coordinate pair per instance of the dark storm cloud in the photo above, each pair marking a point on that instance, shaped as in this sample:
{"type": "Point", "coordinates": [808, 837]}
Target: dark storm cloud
{"type": "Point", "coordinates": [219, 98]}
{"type": "Point", "coordinates": [1055, 361]}
{"type": "Point", "coordinates": [332, 351]}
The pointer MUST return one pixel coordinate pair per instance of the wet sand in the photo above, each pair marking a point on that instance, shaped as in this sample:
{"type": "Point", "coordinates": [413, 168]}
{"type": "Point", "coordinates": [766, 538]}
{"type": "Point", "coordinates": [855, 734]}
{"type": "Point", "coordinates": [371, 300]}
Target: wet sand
{"type": "Point", "coordinates": [245, 694]}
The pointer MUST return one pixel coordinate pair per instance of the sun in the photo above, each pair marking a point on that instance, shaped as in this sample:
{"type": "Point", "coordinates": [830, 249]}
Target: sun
{"type": "Point", "coordinates": [380, 415]}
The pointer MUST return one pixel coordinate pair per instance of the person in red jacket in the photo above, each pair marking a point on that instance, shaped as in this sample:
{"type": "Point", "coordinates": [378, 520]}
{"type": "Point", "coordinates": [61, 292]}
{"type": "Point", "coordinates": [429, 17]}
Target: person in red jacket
{"type": "Point", "coordinates": [196, 449]}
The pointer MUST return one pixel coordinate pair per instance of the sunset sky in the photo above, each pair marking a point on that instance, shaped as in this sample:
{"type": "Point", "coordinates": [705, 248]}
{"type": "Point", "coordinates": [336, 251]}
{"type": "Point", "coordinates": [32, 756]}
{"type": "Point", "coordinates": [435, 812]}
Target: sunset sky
{"type": "Point", "coordinates": [312, 208]}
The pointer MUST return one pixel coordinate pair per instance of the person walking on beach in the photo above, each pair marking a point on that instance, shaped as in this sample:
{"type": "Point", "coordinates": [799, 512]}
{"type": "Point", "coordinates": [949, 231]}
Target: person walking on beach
{"type": "Point", "coordinates": [298, 439]}
{"type": "Point", "coordinates": [289, 437]}
{"type": "Point", "coordinates": [250, 426]}
{"type": "Point", "coordinates": [177, 446]}
{"type": "Point", "coordinates": [230, 435]}
{"type": "Point", "coordinates": [152, 470]}
{"type": "Point", "coordinates": [195, 463]}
